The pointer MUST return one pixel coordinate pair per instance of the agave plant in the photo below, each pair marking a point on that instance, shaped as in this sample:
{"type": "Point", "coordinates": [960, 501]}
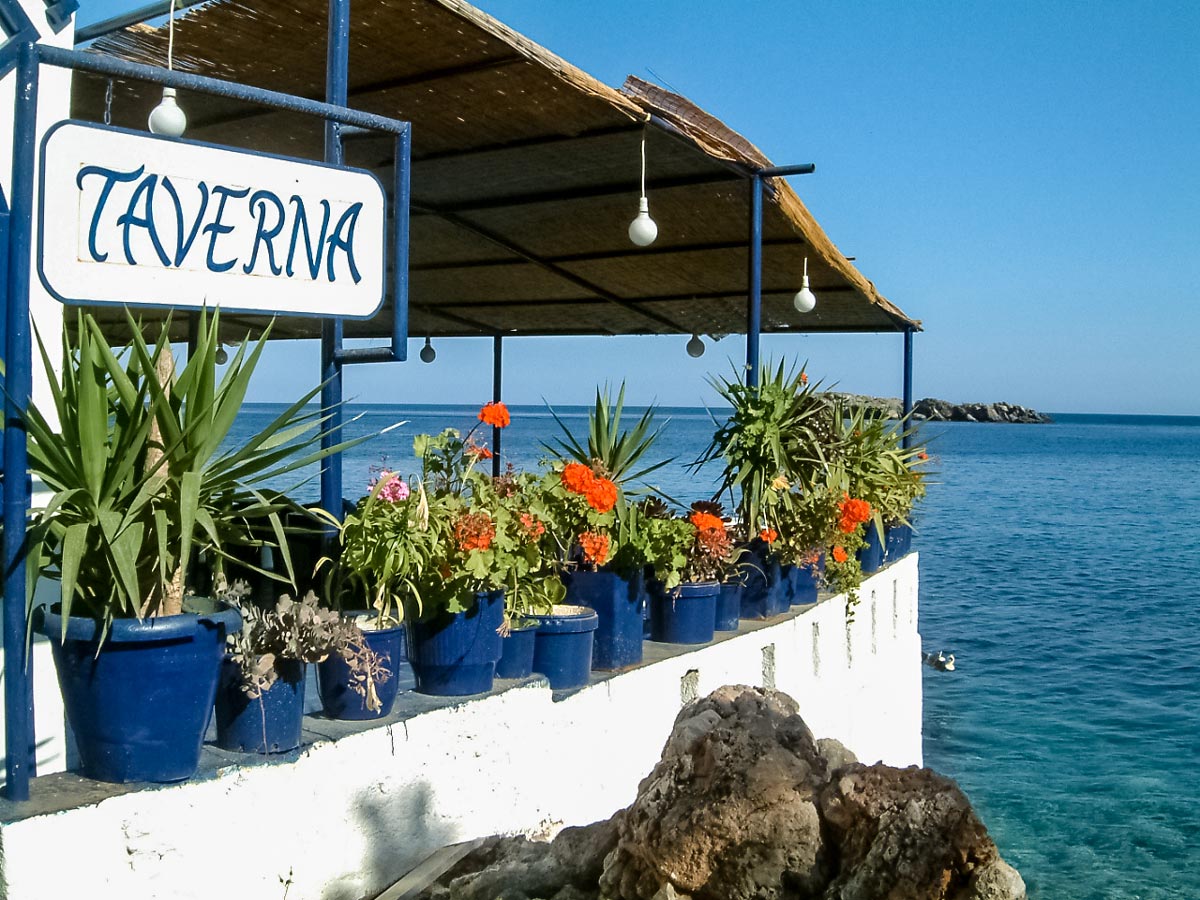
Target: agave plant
{"type": "Point", "coordinates": [618, 452]}
{"type": "Point", "coordinates": [141, 475]}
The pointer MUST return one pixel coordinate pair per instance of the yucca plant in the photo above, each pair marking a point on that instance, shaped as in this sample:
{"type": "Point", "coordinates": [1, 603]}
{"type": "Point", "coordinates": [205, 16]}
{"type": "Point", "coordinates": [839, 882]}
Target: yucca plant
{"type": "Point", "coordinates": [618, 452]}
{"type": "Point", "coordinates": [141, 478]}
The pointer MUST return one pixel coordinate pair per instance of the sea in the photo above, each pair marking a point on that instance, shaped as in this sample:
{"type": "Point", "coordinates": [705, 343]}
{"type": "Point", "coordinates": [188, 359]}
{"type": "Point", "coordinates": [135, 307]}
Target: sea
{"type": "Point", "coordinates": [1059, 565]}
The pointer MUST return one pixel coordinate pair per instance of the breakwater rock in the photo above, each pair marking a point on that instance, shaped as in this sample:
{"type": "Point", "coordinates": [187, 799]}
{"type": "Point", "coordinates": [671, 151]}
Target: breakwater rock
{"type": "Point", "coordinates": [934, 410]}
{"type": "Point", "coordinates": [745, 803]}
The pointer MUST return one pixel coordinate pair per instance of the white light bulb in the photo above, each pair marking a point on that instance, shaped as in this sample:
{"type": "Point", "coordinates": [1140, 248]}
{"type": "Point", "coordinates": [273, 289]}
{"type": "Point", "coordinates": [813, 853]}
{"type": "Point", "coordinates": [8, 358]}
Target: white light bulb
{"type": "Point", "coordinates": [167, 118]}
{"type": "Point", "coordinates": [221, 356]}
{"type": "Point", "coordinates": [642, 230]}
{"type": "Point", "coordinates": [695, 347]}
{"type": "Point", "coordinates": [805, 300]}
{"type": "Point", "coordinates": [428, 354]}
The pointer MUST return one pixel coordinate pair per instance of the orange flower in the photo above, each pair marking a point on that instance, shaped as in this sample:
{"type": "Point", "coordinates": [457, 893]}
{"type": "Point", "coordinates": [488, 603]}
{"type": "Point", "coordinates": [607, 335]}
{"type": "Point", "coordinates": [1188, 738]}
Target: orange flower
{"type": "Point", "coordinates": [595, 547]}
{"type": "Point", "coordinates": [804, 378]}
{"type": "Point", "coordinates": [577, 478]}
{"type": "Point", "coordinates": [922, 455]}
{"type": "Point", "coordinates": [495, 414]}
{"type": "Point", "coordinates": [474, 531]}
{"type": "Point", "coordinates": [478, 450]}
{"type": "Point", "coordinates": [770, 535]}
{"type": "Point", "coordinates": [839, 554]}
{"type": "Point", "coordinates": [601, 495]}
{"type": "Point", "coordinates": [706, 521]}
{"type": "Point", "coordinates": [532, 525]}
{"type": "Point", "coordinates": [852, 513]}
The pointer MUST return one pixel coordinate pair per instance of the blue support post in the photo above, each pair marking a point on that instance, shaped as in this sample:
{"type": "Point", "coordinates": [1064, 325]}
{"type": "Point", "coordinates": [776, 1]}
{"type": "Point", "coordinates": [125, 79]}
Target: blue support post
{"type": "Point", "coordinates": [337, 64]}
{"type": "Point", "coordinates": [18, 670]}
{"type": "Point", "coordinates": [4, 220]}
{"type": "Point", "coordinates": [754, 302]}
{"type": "Point", "coordinates": [908, 381]}
{"type": "Point", "coordinates": [497, 376]}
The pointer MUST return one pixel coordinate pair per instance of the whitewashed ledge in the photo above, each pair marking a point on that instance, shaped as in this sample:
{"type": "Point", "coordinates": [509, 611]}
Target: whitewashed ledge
{"type": "Point", "coordinates": [362, 803]}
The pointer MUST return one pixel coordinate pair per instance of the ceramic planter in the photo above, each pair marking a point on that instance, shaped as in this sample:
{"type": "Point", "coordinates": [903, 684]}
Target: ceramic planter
{"type": "Point", "coordinates": [269, 723]}
{"type": "Point", "coordinates": [139, 704]}
{"type": "Point", "coordinates": [454, 654]}
{"type": "Point", "coordinates": [870, 557]}
{"type": "Point", "coordinates": [728, 607]}
{"type": "Point", "coordinates": [685, 615]}
{"type": "Point", "coordinates": [563, 645]}
{"type": "Point", "coordinates": [618, 603]}
{"type": "Point", "coordinates": [516, 651]}
{"type": "Point", "coordinates": [762, 593]}
{"type": "Point", "coordinates": [339, 699]}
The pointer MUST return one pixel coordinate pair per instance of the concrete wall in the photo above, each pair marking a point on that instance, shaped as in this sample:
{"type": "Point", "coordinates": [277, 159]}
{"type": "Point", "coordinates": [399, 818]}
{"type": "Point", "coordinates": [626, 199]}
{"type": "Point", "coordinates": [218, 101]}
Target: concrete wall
{"type": "Point", "coordinates": [346, 817]}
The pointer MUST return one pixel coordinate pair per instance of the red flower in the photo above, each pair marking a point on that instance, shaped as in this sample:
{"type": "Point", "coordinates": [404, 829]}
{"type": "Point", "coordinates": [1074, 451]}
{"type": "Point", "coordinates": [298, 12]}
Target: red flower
{"type": "Point", "coordinates": [839, 554]}
{"type": "Point", "coordinates": [804, 378]}
{"type": "Point", "coordinates": [474, 531]}
{"type": "Point", "coordinates": [595, 547]}
{"type": "Point", "coordinates": [532, 525]}
{"type": "Point", "coordinates": [922, 455]}
{"type": "Point", "coordinates": [770, 535]}
{"type": "Point", "coordinates": [577, 478]}
{"type": "Point", "coordinates": [601, 495]}
{"type": "Point", "coordinates": [706, 521]}
{"type": "Point", "coordinates": [478, 450]}
{"type": "Point", "coordinates": [852, 513]}
{"type": "Point", "coordinates": [495, 414]}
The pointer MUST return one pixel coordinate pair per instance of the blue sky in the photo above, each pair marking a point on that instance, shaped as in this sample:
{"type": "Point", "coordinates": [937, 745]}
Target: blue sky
{"type": "Point", "coordinates": [1020, 176]}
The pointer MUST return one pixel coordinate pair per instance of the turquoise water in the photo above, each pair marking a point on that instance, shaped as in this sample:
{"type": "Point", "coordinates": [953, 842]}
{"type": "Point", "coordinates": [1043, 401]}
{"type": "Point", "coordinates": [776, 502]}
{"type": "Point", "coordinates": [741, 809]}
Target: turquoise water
{"type": "Point", "coordinates": [1058, 563]}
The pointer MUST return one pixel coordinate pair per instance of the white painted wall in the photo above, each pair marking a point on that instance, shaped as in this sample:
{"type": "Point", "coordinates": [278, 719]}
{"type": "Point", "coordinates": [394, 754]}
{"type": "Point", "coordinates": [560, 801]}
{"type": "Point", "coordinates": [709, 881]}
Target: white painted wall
{"type": "Point", "coordinates": [349, 817]}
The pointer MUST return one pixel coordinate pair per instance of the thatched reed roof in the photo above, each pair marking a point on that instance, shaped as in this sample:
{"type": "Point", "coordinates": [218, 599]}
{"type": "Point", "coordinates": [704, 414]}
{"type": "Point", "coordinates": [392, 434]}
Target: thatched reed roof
{"type": "Point", "coordinates": [525, 174]}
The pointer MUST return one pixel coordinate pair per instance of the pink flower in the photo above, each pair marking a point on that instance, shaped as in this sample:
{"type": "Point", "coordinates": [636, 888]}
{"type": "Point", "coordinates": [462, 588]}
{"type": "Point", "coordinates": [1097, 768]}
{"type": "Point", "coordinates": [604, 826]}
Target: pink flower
{"type": "Point", "coordinates": [394, 489]}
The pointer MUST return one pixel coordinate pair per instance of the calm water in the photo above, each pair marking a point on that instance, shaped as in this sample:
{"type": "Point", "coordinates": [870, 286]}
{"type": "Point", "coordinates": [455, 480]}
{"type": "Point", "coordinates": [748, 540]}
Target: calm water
{"type": "Point", "coordinates": [1059, 565]}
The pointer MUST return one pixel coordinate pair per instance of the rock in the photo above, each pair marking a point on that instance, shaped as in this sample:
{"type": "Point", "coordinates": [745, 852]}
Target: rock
{"type": "Point", "coordinates": [729, 812]}
{"type": "Point", "coordinates": [933, 410]}
{"type": "Point", "coordinates": [743, 804]}
{"type": "Point", "coordinates": [905, 833]}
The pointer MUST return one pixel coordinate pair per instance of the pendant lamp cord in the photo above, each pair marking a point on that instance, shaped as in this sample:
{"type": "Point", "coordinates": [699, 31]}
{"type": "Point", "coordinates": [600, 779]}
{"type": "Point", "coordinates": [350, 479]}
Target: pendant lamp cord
{"type": "Point", "coordinates": [643, 161]}
{"type": "Point", "coordinates": [171, 39]}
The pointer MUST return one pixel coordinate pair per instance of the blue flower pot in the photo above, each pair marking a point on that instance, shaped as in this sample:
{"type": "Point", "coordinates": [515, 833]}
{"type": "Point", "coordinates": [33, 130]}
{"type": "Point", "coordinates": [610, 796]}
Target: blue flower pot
{"type": "Point", "coordinates": [805, 581]}
{"type": "Point", "coordinates": [870, 557]}
{"type": "Point", "coordinates": [139, 703]}
{"type": "Point", "coordinates": [618, 603]}
{"type": "Point", "coordinates": [516, 652]}
{"type": "Point", "coordinates": [728, 607]}
{"type": "Point", "coordinates": [685, 615]}
{"type": "Point", "coordinates": [563, 646]}
{"type": "Point", "coordinates": [897, 541]}
{"type": "Point", "coordinates": [454, 654]}
{"type": "Point", "coordinates": [340, 700]}
{"type": "Point", "coordinates": [270, 723]}
{"type": "Point", "coordinates": [762, 594]}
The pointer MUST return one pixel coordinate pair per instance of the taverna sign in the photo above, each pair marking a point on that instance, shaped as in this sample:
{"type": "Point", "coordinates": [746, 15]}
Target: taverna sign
{"type": "Point", "coordinates": [126, 217]}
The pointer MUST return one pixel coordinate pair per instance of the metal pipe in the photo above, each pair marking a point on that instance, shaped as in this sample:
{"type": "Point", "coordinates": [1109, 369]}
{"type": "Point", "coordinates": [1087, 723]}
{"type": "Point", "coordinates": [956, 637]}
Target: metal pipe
{"type": "Point", "coordinates": [497, 376]}
{"type": "Point", "coordinates": [784, 171]}
{"type": "Point", "coordinates": [908, 383]}
{"type": "Point", "coordinates": [19, 738]}
{"type": "Point", "coordinates": [119, 68]}
{"type": "Point", "coordinates": [754, 301]}
{"type": "Point", "coordinates": [4, 226]}
{"type": "Point", "coordinates": [134, 17]}
{"type": "Point", "coordinates": [401, 197]}
{"type": "Point", "coordinates": [336, 86]}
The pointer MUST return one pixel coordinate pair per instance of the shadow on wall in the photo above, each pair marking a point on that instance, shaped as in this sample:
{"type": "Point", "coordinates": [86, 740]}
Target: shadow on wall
{"type": "Point", "coordinates": [398, 834]}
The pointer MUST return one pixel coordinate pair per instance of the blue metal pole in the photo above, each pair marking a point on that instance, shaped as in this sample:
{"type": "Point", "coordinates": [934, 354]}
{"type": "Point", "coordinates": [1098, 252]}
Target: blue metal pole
{"type": "Point", "coordinates": [908, 380]}
{"type": "Point", "coordinates": [497, 377]}
{"type": "Point", "coordinates": [336, 92]}
{"type": "Point", "coordinates": [4, 220]}
{"type": "Point", "coordinates": [754, 303]}
{"type": "Point", "coordinates": [18, 670]}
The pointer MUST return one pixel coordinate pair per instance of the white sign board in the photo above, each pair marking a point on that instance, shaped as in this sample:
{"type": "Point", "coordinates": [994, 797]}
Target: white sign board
{"type": "Point", "coordinates": [131, 218]}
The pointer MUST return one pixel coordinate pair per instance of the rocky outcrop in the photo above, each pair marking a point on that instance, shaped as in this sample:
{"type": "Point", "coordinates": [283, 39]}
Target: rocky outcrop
{"type": "Point", "coordinates": [933, 410]}
{"type": "Point", "coordinates": [941, 411]}
{"type": "Point", "coordinates": [744, 804]}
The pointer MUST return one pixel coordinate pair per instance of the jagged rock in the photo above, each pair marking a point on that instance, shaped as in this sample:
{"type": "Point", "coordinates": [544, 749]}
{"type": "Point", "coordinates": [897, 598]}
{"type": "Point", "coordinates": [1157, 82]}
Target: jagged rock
{"type": "Point", "coordinates": [903, 833]}
{"type": "Point", "coordinates": [934, 410]}
{"type": "Point", "coordinates": [746, 804]}
{"type": "Point", "coordinates": [729, 812]}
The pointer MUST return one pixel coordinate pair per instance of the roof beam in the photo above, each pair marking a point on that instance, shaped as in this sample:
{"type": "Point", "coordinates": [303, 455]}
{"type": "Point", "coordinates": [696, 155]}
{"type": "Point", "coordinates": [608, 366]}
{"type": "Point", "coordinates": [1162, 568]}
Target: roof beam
{"type": "Point", "coordinates": [528, 255]}
{"type": "Point", "coordinates": [666, 298]}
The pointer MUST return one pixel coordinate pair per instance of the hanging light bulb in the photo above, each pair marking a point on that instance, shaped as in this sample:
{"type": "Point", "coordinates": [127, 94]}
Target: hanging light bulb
{"type": "Point", "coordinates": [695, 347]}
{"type": "Point", "coordinates": [428, 354]}
{"type": "Point", "coordinates": [221, 356]}
{"type": "Point", "coordinates": [805, 300]}
{"type": "Point", "coordinates": [643, 230]}
{"type": "Point", "coordinates": [167, 118]}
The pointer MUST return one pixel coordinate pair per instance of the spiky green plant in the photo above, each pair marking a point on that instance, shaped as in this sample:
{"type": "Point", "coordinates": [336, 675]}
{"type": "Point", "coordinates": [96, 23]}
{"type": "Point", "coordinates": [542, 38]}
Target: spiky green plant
{"type": "Point", "coordinates": [618, 452]}
{"type": "Point", "coordinates": [139, 476]}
